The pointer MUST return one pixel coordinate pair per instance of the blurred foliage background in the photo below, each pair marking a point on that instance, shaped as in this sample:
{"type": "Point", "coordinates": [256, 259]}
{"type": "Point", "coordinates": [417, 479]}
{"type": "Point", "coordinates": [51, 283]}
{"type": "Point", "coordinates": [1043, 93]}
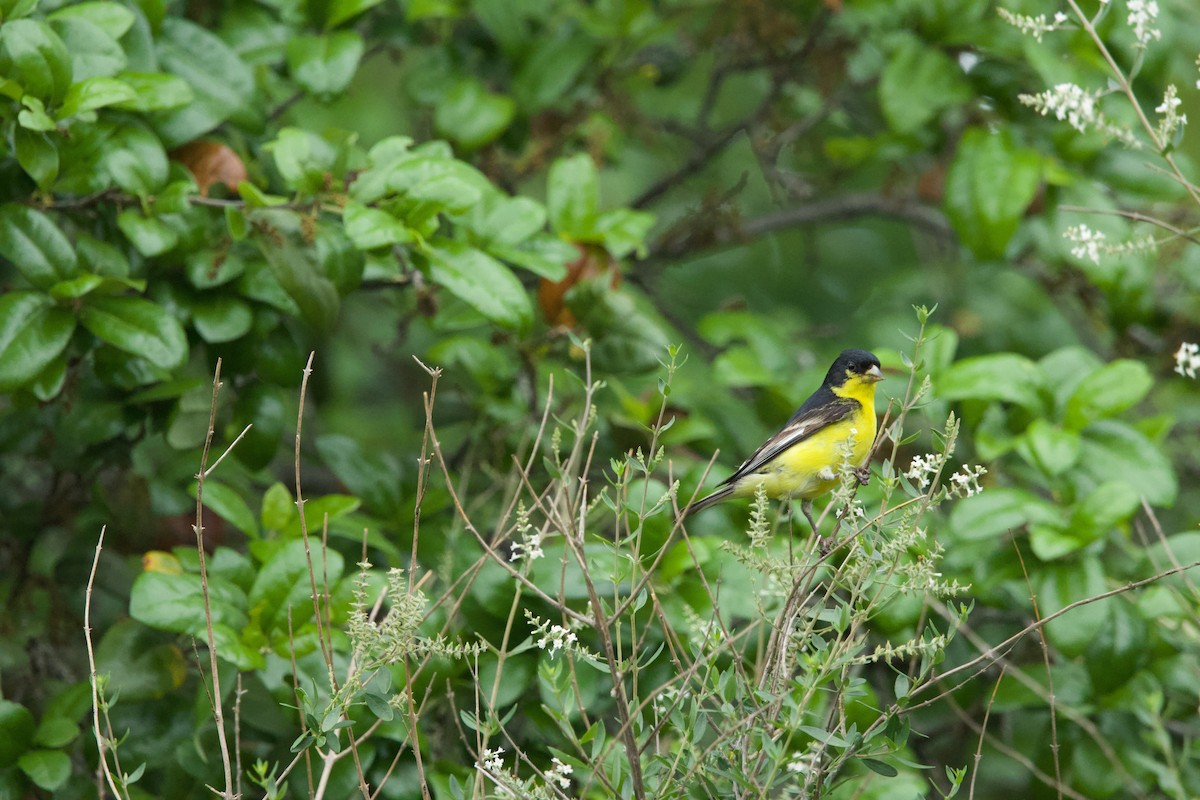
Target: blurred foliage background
{"type": "Point", "coordinates": [485, 184]}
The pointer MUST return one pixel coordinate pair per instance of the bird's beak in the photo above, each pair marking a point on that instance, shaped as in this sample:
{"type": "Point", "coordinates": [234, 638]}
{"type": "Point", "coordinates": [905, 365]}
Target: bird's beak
{"type": "Point", "coordinates": [873, 375]}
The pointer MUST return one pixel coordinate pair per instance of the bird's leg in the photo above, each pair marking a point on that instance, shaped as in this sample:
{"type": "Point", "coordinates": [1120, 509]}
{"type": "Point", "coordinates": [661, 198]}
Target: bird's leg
{"type": "Point", "coordinates": [863, 474]}
{"type": "Point", "coordinates": [806, 507]}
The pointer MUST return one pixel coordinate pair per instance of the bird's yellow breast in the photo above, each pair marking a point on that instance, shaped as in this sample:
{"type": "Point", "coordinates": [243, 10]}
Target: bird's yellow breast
{"type": "Point", "coordinates": [810, 468]}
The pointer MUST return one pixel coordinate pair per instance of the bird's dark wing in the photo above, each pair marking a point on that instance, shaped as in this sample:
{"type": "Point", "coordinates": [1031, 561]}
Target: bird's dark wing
{"type": "Point", "coordinates": [805, 423]}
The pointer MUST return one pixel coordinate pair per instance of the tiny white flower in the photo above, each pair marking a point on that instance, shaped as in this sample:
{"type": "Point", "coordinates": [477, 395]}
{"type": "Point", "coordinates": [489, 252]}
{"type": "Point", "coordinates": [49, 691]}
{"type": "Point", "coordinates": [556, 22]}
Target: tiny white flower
{"type": "Point", "coordinates": [1142, 16]}
{"type": "Point", "coordinates": [1187, 359]}
{"type": "Point", "coordinates": [1171, 120]}
{"type": "Point", "coordinates": [491, 760]}
{"type": "Point", "coordinates": [560, 773]}
{"type": "Point", "coordinates": [556, 638]}
{"type": "Point", "coordinates": [1089, 243]}
{"type": "Point", "coordinates": [529, 549]}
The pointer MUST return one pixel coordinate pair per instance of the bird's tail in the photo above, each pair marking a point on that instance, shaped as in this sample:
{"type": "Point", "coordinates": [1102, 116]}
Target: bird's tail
{"type": "Point", "coordinates": [712, 499]}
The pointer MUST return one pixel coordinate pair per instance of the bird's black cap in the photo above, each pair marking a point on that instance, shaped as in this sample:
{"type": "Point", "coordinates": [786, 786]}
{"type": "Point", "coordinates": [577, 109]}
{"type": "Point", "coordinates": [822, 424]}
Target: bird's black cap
{"type": "Point", "coordinates": [857, 362]}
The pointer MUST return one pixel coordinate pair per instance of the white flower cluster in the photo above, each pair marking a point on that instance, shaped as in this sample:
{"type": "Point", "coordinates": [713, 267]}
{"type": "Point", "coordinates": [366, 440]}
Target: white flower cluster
{"type": "Point", "coordinates": [802, 763]}
{"type": "Point", "coordinates": [1187, 359]}
{"type": "Point", "coordinates": [1037, 27]}
{"type": "Point", "coordinates": [1080, 109]}
{"type": "Point", "coordinates": [1142, 16]}
{"type": "Point", "coordinates": [560, 773]}
{"type": "Point", "coordinates": [922, 470]}
{"type": "Point", "coordinates": [529, 548]}
{"type": "Point", "coordinates": [556, 638]}
{"type": "Point", "coordinates": [1089, 243]}
{"type": "Point", "coordinates": [1171, 120]}
{"type": "Point", "coordinates": [491, 760]}
{"type": "Point", "coordinates": [966, 482]}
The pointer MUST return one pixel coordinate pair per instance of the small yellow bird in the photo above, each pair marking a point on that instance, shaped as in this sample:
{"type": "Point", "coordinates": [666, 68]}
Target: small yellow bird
{"type": "Point", "coordinates": [835, 426]}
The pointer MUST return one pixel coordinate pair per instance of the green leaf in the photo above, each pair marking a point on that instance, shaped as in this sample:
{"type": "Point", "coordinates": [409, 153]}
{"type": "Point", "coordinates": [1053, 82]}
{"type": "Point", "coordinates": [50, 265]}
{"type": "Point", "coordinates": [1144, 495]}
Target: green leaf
{"type": "Point", "coordinates": [35, 246]}
{"type": "Point", "coordinates": [33, 116]}
{"type": "Point", "coordinates": [37, 154]}
{"type": "Point", "coordinates": [1111, 448]}
{"type": "Point", "coordinates": [628, 339]}
{"type": "Point", "coordinates": [297, 271]}
{"type": "Point", "coordinates": [222, 84]}
{"type": "Point", "coordinates": [1108, 391]}
{"type": "Point", "coordinates": [1003, 376]}
{"type": "Point", "coordinates": [112, 18]}
{"type": "Point", "coordinates": [324, 65]}
{"type": "Point", "coordinates": [374, 478]}
{"type": "Point", "coordinates": [137, 326]}
{"type": "Point", "coordinates": [154, 91]}
{"type": "Point", "coordinates": [985, 218]}
{"type": "Point", "coordinates": [284, 583]}
{"type": "Point", "coordinates": [56, 731]}
{"type": "Point", "coordinates": [1049, 447]}
{"type": "Point", "coordinates": [572, 196]}
{"type": "Point", "coordinates": [278, 508]}
{"type": "Point", "coordinates": [229, 505]}
{"type": "Point", "coordinates": [33, 54]}
{"type": "Point", "coordinates": [482, 282]}
{"type": "Point", "coordinates": [16, 732]}
{"type": "Point", "coordinates": [1064, 583]}
{"type": "Point", "coordinates": [150, 235]}
{"type": "Point", "coordinates": [76, 287]}
{"type": "Point", "coordinates": [207, 269]}
{"type": "Point", "coordinates": [175, 602]}
{"type": "Point", "coordinates": [370, 228]}
{"type": "Point", "coordinates": [542, 255]}
{"type": "Point", "coordinates": [304, 159]}
{"type": "Point", "coordinates": [342, 10]}
{"type": "Point", "coordinates": [221, 318]}
{"type": "Point", "coordinates": [622, 231]}
{"type": "Point", "coordinates": [471, 116]}
{"type": "Point", "coordinates": [15, 9]}
{"type": "Point", "coordinates": [95, 93]}
{"type": "Point", "coordinates": [918, 82]}
{"type": "Point", "coordinates": [136, 160]}
{"type": "Point", "coordinates": [999, 510]}
{"type": "Point", "coordinates": [881, 767]}
{"type": "Point", "coordinates": [94, 53]}
{"type": "Point", "coordinates": [499, 219]}
{"type": "Point", "coordinates": [49, 769]}
{"type": "Point", "coordinates": [552, 67]}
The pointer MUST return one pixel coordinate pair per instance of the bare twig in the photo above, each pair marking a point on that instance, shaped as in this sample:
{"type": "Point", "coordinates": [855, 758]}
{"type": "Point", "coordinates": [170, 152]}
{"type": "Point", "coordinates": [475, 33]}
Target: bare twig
{"type": "Point", "coordinates": [101, 741]}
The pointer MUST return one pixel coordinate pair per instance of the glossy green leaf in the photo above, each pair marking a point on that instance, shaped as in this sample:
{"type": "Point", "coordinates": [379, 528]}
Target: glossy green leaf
{"type": "Point", "coordinates": [572, 196]}
{"type": "Point", "coordinates": [77, 287]}
{"type": "Point", "coordinates": [304, 159]}
{"type": "Point", "coordinates": [175, 602]}
{"type": "Point", "coordinates": [37, 154]}
{"type": "Point", "coordinates": [1062, 584]}
{"type": "Point", "coordinates": [35, 245]}
{"type": "Point", "coordinates": [209, 268]}
{"type": "Point", "coordinates": [55, 731]}
{"type": "Point", "coordinates": [623, 231]}
{"type": "Point", "coordinates": [49, 769]}
{"type": "Point", "coordinates": [95, 93]}
{"type": "Point", "coordinates": [985, 218]}
{"type": "Point", "coordinates": [376, 479]}
{"type": "Point", "coordinates": [154, 91]}
{"type": "Point", "coordinates": [1112, 449]}
{"type": "Point", "coordinates": [499, 219]}
{"type": "Point", "coordinates": [1004, 376]}
{"type": "Point", "coordinates": [112, 18]}
{"type": "Point", "coordinates": [278, 508]}
{"type": "Point", "coordinates": [370, 228]}
{"type": "Point", "coordinates": [284, 583]}
{"type": "Point", "coordinates": [344, 10]}
{"type": "Point", "coordinates": [137, 326]}
{"type": "Point", "coordinates": [150, 235]}
{"type": "Point", "coordinates": [999, 511]}
{"type": "Point", "coordinates": [301, 277]}
{"type": "Point", "coordinates": [94, 53]}
{"type": "Point", "coordinates": [1119, 649]}
{"type": "Point", "coordinates": [16, 732]}
{"type": "Point", "coordinates": [917, 83]}
{"type": "Point", "coordinates": [324, 65]}
{"type": "Point", "coordinates": [222, 84]}
{"type": "Point", "coordinates": [1049, 447]}
{"type": "Point", "coordinates": [1107, 392]}
{"type": "Point", "coordinates": [33, 54]}
{"type": "Point", "coordinates": [136, 160]}
{"type": "Point", "coordinates": [482, 282]}
{"type": "Point", "coordinates": [471, 116]}
{"type": "Point", "coordinates": [226, 503]}
{"type": "Point", "coordinates": [33, 115]}
{"type": "Point", "coordinates": [222, 318]}
{"type": "Point", "coordinates": [15, 9]}
{"type": "Point", "coordinates": [627, 339]}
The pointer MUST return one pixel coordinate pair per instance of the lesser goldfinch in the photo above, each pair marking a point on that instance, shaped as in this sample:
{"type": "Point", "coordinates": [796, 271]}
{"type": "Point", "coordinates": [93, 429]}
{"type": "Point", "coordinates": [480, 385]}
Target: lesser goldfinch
{"type": "Point", "coordinates": [835, 426]}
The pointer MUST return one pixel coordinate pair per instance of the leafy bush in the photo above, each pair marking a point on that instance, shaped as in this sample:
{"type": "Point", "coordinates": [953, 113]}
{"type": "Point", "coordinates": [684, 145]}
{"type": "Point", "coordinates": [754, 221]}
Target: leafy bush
{"type": "Point", "coordinates": [538, 200]}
